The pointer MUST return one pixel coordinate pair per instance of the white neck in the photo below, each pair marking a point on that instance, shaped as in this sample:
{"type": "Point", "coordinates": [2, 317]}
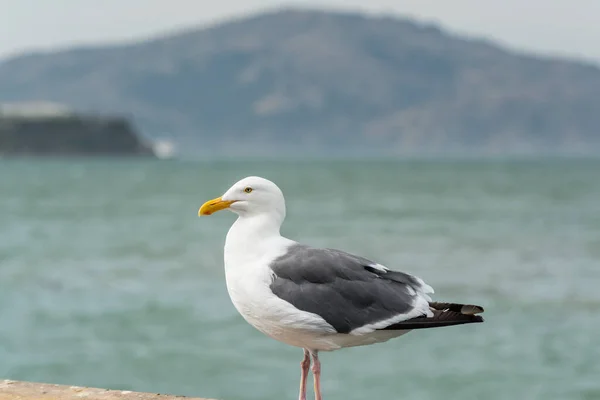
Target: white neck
{"type": "Point", "coordinates": [251, 238]}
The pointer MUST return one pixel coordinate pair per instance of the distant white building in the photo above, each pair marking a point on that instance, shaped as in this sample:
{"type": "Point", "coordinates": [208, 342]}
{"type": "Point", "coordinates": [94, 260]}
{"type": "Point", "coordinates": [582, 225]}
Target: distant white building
{"type": "Point", "coordinates": [34, 109]}
{"type": "Point", "coordinates": [164, 149]}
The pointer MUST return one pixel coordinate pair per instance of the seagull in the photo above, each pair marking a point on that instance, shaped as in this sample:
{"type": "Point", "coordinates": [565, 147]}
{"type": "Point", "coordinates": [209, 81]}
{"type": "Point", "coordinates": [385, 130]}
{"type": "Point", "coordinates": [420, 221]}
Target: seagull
{"type": "Point", "coordinates": [317, 299]}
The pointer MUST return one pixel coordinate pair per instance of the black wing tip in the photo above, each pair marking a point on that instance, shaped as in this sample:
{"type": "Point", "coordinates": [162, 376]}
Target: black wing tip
{"type": "Point", "coordinates": [441, 318]}
{"type": "Point", "coordinates": [478, 319]}
{"type": "Point", "coordinates": [471, 309]}
{"type": "Point", "coordinates": [466, 309]}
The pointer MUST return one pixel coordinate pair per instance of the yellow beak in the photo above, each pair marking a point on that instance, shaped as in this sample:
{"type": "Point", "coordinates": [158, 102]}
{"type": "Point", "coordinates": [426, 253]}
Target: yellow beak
{"type": "Point", "coordinates": [213, 206]}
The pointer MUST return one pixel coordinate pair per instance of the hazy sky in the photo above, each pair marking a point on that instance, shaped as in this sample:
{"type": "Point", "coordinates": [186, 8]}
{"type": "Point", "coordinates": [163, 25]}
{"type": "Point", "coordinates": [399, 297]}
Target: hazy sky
{"type": "Point", "coordinates": [550, 26]}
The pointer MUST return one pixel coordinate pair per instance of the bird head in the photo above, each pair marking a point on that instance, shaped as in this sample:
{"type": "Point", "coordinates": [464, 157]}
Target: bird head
{"type": "Point", "coordinates": [248, 197]}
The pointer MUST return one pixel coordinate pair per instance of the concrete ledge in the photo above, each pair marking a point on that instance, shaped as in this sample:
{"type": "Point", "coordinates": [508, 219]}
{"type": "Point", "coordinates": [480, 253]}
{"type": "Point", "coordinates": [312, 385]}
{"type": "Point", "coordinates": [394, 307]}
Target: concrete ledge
{"type": "Point", "coordinates": [17, 390]}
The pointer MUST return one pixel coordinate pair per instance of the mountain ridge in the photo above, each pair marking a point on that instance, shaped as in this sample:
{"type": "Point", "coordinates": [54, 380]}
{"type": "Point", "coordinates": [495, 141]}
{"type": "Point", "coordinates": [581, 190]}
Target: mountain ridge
{"type": "Point", "coordinates": [319, 81]}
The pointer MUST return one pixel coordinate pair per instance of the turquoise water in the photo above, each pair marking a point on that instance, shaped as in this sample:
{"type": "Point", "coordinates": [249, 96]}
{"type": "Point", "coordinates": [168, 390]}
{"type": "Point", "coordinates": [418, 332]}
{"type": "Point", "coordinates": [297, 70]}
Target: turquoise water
{"type": "Point", "coordinates": [108, 278]}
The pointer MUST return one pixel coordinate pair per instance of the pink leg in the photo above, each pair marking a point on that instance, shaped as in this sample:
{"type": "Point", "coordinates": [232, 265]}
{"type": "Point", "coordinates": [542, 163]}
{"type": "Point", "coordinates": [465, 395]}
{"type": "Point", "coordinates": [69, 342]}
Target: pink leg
{"type": "Point", "coordinates": [304, 366]}
{"type": "Point", "coordinates": [317, 375]}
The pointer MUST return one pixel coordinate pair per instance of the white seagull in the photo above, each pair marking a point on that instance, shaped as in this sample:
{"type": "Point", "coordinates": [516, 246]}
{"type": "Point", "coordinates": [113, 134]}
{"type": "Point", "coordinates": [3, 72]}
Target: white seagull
{"type": "Point", "coordinates": [312, 298]}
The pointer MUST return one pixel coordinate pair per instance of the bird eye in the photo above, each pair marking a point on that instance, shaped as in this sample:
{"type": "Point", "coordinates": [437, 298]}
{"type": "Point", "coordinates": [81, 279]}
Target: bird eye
{"type": "Point", "coordinates": [248, 190]}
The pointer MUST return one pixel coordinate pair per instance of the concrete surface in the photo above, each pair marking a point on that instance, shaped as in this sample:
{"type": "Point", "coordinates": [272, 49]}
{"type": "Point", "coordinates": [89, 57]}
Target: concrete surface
{"type": "Point", "coordinates": [17, 390]}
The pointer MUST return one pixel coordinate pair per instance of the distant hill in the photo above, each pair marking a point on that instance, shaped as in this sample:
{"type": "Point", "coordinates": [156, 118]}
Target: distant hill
{"type": "Point", "coordinates": [328, 82]}
{"type": "Point", "coordinates": [54, 131]}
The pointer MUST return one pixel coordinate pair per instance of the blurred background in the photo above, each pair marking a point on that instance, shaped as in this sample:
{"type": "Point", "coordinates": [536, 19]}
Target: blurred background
{"type": "Point", "coordinates": [458, 141]}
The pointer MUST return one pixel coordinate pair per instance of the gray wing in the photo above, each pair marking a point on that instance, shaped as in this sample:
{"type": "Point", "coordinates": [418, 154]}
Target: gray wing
{"type": "Point", "coordinates": [348, 291]}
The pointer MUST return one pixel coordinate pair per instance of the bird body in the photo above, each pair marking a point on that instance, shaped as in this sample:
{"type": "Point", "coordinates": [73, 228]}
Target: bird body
{"type": "Point", "coordinates": [248, 285]}
{"type": "Point", "coordinates": [312, 298]}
